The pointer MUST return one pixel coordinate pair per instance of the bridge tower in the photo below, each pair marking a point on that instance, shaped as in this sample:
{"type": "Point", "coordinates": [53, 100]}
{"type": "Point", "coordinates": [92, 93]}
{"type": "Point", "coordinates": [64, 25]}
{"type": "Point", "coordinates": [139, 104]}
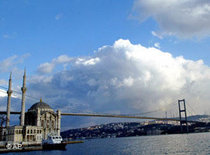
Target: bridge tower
{"type": "Point", "coordinates": [182, 109]}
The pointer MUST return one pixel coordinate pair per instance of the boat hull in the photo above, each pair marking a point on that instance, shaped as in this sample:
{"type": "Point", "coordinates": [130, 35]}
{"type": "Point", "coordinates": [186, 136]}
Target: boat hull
{"type": "Point", "coordinates": [60, 146]}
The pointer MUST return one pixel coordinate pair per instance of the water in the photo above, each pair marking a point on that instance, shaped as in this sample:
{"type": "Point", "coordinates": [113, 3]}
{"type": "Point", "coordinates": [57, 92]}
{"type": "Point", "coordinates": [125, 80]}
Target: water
{"type": "Point", "coordinates": [180, 144]}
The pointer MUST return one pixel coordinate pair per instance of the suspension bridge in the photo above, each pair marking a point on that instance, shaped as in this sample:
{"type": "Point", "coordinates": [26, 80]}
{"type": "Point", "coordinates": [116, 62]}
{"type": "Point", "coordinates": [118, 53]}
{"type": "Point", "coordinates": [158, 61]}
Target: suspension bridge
{"type": "Point", "coordinates": [183, 120]}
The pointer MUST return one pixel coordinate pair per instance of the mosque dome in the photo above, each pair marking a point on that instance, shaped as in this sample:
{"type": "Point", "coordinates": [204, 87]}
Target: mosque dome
{"type": "Point", "coordinates": [41, 105]}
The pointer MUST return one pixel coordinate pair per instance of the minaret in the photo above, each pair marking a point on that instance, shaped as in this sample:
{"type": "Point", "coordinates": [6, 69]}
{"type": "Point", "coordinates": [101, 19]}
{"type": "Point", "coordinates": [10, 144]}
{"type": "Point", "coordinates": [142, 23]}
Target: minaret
{"type": "Point", "coordinates": [9, 92]}
{"type": "Point", "coordinates": [23, 89]}
{"type": "Point", "coordinates": [58, 122]}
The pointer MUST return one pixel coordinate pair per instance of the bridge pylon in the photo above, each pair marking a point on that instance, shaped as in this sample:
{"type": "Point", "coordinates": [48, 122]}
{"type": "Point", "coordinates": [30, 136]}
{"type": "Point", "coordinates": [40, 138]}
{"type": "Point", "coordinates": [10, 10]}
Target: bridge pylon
{"type": "Point", "coordinates": [182, 109]}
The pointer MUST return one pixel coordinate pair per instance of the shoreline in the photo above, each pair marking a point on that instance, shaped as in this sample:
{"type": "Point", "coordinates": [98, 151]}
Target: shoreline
{"type": "Point", "coordinates": [29, 148]}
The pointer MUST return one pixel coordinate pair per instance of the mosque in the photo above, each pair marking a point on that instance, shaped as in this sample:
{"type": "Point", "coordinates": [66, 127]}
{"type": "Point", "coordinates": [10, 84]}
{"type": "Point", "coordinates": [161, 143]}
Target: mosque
{"type": "Point", "coordinates": [35, 124]}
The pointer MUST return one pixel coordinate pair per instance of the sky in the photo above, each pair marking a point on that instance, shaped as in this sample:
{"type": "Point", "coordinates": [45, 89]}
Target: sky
{"type": "Point", "coordinates": [107, 56]}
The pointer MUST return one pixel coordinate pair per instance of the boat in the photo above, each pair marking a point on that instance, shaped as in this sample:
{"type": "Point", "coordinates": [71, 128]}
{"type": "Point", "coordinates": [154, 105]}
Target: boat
{"type": "Point", "coordinates": [54, 142]}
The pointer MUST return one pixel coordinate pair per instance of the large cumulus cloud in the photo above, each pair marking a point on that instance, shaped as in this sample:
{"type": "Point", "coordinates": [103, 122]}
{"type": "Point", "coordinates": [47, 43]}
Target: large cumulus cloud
{"type": "Point", "coordinates": [125, 78]}
{"type": "Point", "coordinates": [185, 19]}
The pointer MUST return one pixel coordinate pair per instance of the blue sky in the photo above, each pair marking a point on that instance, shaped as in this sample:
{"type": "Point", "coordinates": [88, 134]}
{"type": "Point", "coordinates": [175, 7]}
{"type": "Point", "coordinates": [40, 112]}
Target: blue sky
{"type": "Point", "coordinates": [59, 40]}
{"type": "Point", "coordinates": [47, 29]}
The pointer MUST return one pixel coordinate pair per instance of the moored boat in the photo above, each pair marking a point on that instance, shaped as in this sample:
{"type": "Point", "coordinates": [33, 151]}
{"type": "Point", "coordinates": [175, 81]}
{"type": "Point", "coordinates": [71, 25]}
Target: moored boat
{"type": "Point", "coordinates": [54, 142]}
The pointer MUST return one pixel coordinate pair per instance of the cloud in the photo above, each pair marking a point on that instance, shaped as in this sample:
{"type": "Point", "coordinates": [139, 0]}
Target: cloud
{"type": "Point", "coordinates": [128, 78]}
{"type": "Point", "coordinates": [184, 19]}
{"type": "Point", "coordinates": [86, 62]}
{"type": "Point", "coordinates": [58, 16]}
{"type": "Point", "coordinates": [6, 36]}
{"type": "Point", "coordinates": [7, 63]}
{"type": "Point", "coordinates": [3, 93]}
{"type": "Point", "coordinates": [9, 35]}
{"type": "Point", "coordinates": [156, 35]}
{"type": "Point", "coordinates": [157, 45]}
{"type": "Point", "coordinates": [48, 67]}
{"type": "Point", "coordinates": [3, 82]}
{"type": "Point", "coordinates": [10, 64]}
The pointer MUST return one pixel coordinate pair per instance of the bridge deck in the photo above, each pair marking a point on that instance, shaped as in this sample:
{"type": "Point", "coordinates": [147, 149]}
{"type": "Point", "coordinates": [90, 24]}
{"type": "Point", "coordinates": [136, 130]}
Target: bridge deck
{"type": "Point", "coordinates": [110, 115]}
{"type": "Point", "coordinates": [117, 116]}
{"type": "Point", "coordinates": [103, 115]}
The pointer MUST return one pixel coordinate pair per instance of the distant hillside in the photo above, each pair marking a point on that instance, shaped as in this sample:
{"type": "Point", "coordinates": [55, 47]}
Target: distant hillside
{"type": "Point", "coordinates": [201, 118]}
{"type": "Point", "coordinates": [126, 129]}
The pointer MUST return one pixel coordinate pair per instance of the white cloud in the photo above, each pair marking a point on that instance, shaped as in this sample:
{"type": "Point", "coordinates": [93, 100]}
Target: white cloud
{"type": "Point", "coordinates": [86, 62]}
{"type": "Point", "coordinates": [128, 81]}
{"type": "Point", "coordinates": [48, 67]}
{"type": "Point", "coordinates": [157, 35]}
{"type": "Point", "coordinates": [185, 19]}
{"type": "Point", "coordinates": [7, 63]}
{"type": "Point", "coordinates": [3, 82]}
{"type": "Point", "coordinates": [127, 78]}
{"type": "Point", "coordinates": [65, 60]}
{"type": "Point", "coordinates": [157, 45]}
{"type": "Point", "coordinates": [10, 64]}
{"type": "Point", "coordinates": [62, 59]}
{"type": "Point", "coordinates": [3, 93]}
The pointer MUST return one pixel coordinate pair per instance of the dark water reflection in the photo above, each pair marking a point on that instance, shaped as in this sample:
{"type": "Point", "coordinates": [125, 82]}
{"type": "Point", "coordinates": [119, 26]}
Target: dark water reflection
{"type": "Point", "coordinates": [165, 144]}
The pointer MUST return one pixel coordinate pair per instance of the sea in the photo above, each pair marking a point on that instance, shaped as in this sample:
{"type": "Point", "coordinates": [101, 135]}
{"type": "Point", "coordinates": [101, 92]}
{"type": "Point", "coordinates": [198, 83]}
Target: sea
{"type": "Point", "coordinates": [180, 144]}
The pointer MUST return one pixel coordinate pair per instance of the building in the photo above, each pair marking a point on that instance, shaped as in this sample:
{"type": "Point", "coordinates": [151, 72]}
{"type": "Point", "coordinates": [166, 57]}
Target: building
{"type": "Point", "coordinates": [35, 125]}
{"type": "Point", "coordinates": [23, 134]}
{"type": "Point", "coordinates": [42, 115]}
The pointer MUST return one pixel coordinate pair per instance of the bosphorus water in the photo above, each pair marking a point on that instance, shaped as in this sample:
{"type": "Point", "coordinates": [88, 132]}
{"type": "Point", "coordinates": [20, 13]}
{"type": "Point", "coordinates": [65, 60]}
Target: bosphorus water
{"type": "Point", "coordinates": [198, 143]}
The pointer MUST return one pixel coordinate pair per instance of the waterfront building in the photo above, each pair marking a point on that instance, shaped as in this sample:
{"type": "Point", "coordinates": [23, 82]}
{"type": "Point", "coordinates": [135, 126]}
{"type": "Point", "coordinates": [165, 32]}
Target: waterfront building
{"type": "Point", "coordinates": [35, 125]}
{"type": "Point", "coordinates": [42, 115]}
